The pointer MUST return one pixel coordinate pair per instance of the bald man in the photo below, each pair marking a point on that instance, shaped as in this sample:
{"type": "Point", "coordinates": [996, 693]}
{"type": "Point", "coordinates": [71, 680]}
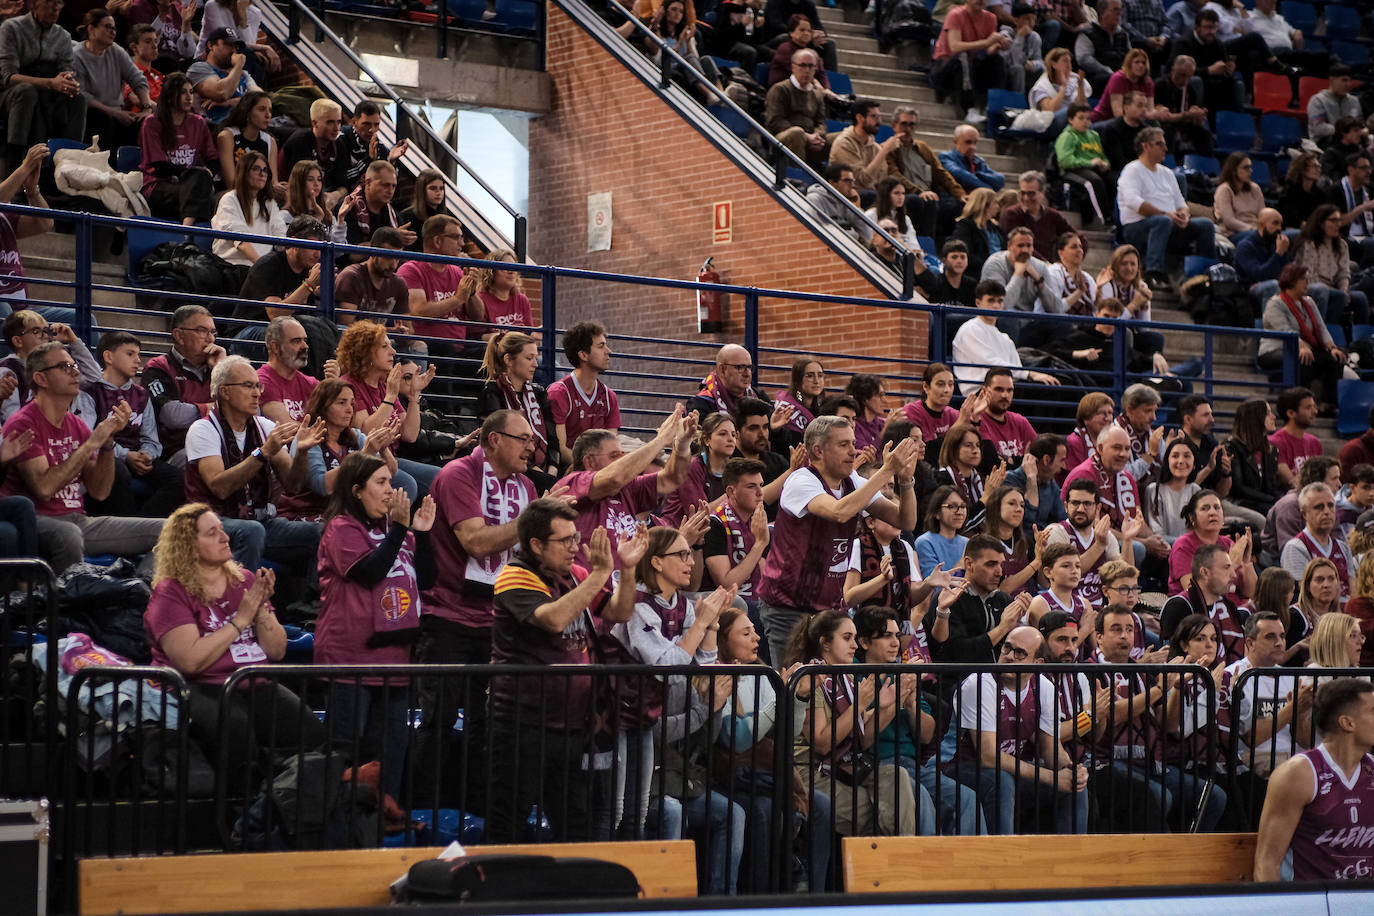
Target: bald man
{"type": "Point", "coordinates": [731, 379]}
{"type": "Point", "coordinates": [1261, 254]}
{"type": "Point", "coordinates": [967, 167]}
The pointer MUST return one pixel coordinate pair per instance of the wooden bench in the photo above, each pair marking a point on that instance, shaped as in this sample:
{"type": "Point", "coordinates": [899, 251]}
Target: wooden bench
{"type": "Point", "coordinates": [919, 863]}
{"type": "Point", "coordinates": [261, 882]}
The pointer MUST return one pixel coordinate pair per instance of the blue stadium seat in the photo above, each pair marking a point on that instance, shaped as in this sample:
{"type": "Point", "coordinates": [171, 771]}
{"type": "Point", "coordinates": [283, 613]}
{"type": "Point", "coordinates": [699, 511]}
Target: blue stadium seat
{"type": "Point", "coordinates": [998, 101]}
{"type": "Point", "coordinates": [883, 133]}
{"type": "Point", "coordinates": [761, 73]}
{"type": "Point", "coordinates": [840, 83]}
{"type": "Point", "coordinates": [739, 125]}
{"type": "Point", "coordinates": [1195, 264]}
{"type": "Point", "coordinates": [1235, 131]}
{"type": "Point", "coordinates": [1260, 174]}
{"type": "Point", "coordinates": [58, 143]}
{"type": "Point", "coordinates": [1278, 132]}
{"type": "Point", "coordinates": [1207, 165]}
{"type": "Point", "coordinates": [1352, 53]}
{"type": "Point", "coordinates": [799, 176]}
{"type": "Point", "coordinates": [1340, 20]}
{"type": "Point", "coordinates": [142, 241]}
{"type": "Point", "coordinates": [1354, 398]}
{"type": "Point", "coordinates": [1301, 16]}
{"type": "Point", "coordinates": [834, 125]}
{"type": "Point", "coordinates": [724, 63]}
{"type": "Point", "coordinates": [1337, 335]}
{"type": "Point", "coordinates": [1361, 331]}
{"type": "Point", "coordinates": [127, 158]}
{"type": "Point", "coordinates": [1169, 161]}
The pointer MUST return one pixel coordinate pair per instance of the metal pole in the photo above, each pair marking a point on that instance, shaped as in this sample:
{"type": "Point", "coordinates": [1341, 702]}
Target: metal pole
{"type": "Point", "coordinates": [327, 258]}
{"type": "Point", "coordinates": [779, 167]}
{"type": "Point", "coordinates": [548, 323]}
{"type": "Point", "coordinates": [442, 25]}
{"type": "Point", "coordinates": [908, 274]}
{"type": "Point", "coordinates": [751, 327]}
{"type": "Point", "coordinates": [521, 239]}
{"type": "Point", "coordinates": [82, 293]}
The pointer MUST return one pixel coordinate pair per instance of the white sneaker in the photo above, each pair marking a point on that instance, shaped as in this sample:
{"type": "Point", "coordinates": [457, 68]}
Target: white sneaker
{"type": "Point", "coordinates": [974, 116]}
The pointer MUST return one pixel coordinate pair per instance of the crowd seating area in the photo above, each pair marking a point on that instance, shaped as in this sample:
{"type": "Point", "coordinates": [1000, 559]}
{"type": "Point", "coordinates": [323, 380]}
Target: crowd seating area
{"type": "Point", "coordinates": [341, 516]}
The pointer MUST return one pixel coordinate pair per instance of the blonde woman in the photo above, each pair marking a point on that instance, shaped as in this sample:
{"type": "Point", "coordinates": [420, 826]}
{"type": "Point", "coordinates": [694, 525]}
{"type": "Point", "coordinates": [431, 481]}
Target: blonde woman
{"type": "Point", "coordinates": [977, 228]}
{"type": "Point", "coordinates": [1361, 603]}
{"type": "Point", "coordinates": [1336, 642]}
{"type": "Point", "coordinates": [207, 618]}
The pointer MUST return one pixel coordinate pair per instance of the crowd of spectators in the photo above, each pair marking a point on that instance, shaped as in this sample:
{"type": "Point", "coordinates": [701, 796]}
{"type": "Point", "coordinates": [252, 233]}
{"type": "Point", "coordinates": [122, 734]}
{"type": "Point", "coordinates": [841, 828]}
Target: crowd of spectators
{"type": "Point", "coordinates": [817, 527]}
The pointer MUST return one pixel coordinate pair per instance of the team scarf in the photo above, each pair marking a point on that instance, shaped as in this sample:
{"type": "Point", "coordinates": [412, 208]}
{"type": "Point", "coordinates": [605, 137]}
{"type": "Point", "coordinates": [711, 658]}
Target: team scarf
{"type": "Point", "coordinates": [1140, 439]}
{"type": "Point", "coordinates": [527, 403]}
{"type": "Point", "coordinates": [1120, 487]}
{"type": "Point", "coordinates": [713, 390]}
{"type": "Point", "coordinates": [871, 561]}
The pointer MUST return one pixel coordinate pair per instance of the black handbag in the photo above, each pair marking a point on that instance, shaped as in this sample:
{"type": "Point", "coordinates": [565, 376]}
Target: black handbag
{"type": "Point", "coordinates": [516, 878]}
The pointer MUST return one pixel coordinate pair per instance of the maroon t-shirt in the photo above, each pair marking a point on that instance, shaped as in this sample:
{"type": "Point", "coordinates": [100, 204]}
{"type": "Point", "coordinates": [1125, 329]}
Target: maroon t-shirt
{"type": "Point", "coordinates": [55, 443]}
{"type": "Point", "coordinates": [931, 426]}
{"type": "Point", "coordinates": [1293, 451]}
{"type": "Point", "coordinates": [1010, 437]}
{"type": "Point", "coordinates": [468, 488]}
{"type": "Point", "coordinates": [617, 513]}
{"type": "Point", "coordinates": [513, 311]}
{"type": "Point", "coordinates": [294, 392]}
{"type": "Point", "coordinates": [348, 609]}
{"type": "Point", "coordinates": [578, 413]}
{"type": "Point", "coordinates": [171, 606]}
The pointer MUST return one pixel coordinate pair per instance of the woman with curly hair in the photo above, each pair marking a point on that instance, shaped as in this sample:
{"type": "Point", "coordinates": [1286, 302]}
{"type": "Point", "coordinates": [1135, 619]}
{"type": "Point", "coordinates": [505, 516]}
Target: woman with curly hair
{"type": "Point", "coordinates": [207, 618]}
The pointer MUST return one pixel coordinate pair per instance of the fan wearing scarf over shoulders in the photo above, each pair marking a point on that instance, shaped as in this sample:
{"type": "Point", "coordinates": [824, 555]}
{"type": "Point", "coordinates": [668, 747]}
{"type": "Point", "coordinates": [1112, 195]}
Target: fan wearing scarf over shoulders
{"type": "Point", "coordinates": [511, 360]}
{"type": "Point", "coordinates": [730, 380]}
{"type": "Point", "coordinates": [1319, 359]}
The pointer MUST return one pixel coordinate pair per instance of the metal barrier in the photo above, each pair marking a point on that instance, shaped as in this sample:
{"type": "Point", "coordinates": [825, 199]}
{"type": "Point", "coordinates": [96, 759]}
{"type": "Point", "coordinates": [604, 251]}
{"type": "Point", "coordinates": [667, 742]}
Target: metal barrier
{"type": "Point", "coordinates": [441, 25]}
{"type": "Point", "coordinates": [28, 689]}
{"type": "Point", "coordinates": [652, 361]}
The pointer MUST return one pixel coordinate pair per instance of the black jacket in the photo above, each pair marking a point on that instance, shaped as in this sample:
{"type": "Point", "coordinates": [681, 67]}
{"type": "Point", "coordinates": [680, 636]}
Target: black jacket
{"type": "Point", "coordinates": [1254, 485]}
{"type": "Point", "coordinates": [970, 621]}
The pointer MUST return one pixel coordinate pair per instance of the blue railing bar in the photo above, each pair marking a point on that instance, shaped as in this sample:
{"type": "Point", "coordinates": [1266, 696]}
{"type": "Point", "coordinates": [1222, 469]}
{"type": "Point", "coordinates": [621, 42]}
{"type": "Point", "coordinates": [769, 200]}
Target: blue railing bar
{"type": "Point", "coordinates": [401, 105]}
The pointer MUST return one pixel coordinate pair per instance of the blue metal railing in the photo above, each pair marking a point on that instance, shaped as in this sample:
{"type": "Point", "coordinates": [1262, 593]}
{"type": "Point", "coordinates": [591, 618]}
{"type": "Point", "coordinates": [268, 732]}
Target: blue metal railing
{"type": "Point", "coordinates": [642, 359]}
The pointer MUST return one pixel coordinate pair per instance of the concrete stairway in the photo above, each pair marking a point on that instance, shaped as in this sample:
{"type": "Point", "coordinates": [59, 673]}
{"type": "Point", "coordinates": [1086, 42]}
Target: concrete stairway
{"type": "Point", "coordinates": [881, 77]}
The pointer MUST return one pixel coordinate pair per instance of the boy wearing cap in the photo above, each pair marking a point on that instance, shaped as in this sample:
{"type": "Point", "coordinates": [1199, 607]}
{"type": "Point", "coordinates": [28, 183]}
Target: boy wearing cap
{"type": "Point", "coordinates": [1025, 60]}
{"type": "Point", "coordinates": [219, 79]}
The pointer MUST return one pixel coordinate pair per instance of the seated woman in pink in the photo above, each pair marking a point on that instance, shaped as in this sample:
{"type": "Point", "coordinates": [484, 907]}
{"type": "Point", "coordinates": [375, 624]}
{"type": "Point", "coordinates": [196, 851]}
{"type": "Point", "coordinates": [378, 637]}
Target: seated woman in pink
{"type": "Point", "coordinates": [207, 618]}
{"type": "Point", "coordinates": [1134, 76]}
{"type": "Point", "coordinates": [1204, 517]}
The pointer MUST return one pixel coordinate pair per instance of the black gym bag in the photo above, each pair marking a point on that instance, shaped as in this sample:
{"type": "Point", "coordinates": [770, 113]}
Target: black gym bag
{"type": "Point", "coordinates": [517, 878]}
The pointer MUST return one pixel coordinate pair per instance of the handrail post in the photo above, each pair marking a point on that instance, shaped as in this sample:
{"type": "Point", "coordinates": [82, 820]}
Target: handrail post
{"type": "Point", "coordinates": [548, 324]}
{"type": "Point", "coordinates": [521, 239]}
{"type": "Point", "coordinates": [1207, 361]}
{"type": "Point", "coordinates": [319, 27]}
{"type": "Point", "coordinates": [327, 259]}
{"type": "Point", "coordinates": [779, 167]}
{"type": "Point", "coordinates": [665, 70]}
{"type": "Point", "coordinates": [541, 32]}
{"type": "Point", "coordinates": [1290, 361]}
{"type": "Point", "coordinates": [908, 274]}
{"type": "Point", "coordinates": [939, 321]}
{"type": "Point", "coordinates": [442, 24]}
{"type": "Point", "coordinates": [293, 24]}
{"type": "Point", "coordinates": [751, 327]}
{"type": "Point", "coordinates": [402, 122]}
{"type": "Point", "coordinates": [82, 293]}
{"type": "Point", "coordinates": [1118, 357]}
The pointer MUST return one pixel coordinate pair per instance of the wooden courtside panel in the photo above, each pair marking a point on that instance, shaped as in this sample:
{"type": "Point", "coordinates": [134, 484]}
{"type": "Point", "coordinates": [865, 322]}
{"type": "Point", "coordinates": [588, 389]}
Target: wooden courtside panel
{"type": "Point", "coordinates": [912, 863]}
{"type": "Point", "coordinates": [262, 882]}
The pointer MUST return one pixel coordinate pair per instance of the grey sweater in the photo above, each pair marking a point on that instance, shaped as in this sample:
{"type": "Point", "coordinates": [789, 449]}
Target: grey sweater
{"type": "Point", "coordinates": [102, 77]}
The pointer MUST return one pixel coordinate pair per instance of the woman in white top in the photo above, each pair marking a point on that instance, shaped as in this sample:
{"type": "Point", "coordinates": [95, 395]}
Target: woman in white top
{"type": "Point", "coordinates": [1170, 491]}
{"type": "Point", "coordinates": [1058, 88]}
{"type": "Point", "coordinates": [1067, 279]}
{"type": "Point", "coordinates": [1121, 279]}
{"type": "Point", "coordinates": [249, 208]}
{"type": "Point", "coordinates": [245, 19]}
{"type": "Point", "coordinates": [891, 204]}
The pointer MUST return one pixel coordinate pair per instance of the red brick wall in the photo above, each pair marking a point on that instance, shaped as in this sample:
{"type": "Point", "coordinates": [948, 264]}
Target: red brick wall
{"type": "Point", "coordinates": [609, 132]}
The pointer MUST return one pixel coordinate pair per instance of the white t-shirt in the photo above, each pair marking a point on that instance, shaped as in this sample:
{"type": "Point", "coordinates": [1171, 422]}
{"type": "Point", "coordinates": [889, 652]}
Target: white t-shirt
{"type": "Point", "coordinates": [1269, 694]}
{"type": "Point", "coordinates": [978, 702]}
{"type": "Point", "coordinates": [1057, 282]}
{"type": "Point", "coordinates": [857, 551]}
{"type": "Point", "coordinates": [978, 345]}
{"type": "Point", "coordinates": [202, 441]}
{"type": "Point", "coordinates": [801, 488]}
{"type": "Point", "coordinates": [1138, 185]}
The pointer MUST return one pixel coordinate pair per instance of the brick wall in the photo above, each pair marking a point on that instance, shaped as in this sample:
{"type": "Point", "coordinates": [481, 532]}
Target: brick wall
{"type": "Point", "coordinates": [609, 132]}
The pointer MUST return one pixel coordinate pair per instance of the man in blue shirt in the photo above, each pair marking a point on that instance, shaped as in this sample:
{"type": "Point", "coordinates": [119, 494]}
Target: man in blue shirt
{"type": "Point", "coordinates": [964, 163]}
{"type": "Point", "coordinates": [1041, 464]}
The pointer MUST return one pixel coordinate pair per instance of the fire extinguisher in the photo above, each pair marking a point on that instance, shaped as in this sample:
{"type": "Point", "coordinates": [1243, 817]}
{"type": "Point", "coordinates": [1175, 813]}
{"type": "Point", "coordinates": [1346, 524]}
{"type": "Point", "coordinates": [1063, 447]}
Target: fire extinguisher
{"type": "Point", "coordinates": [708, 301]}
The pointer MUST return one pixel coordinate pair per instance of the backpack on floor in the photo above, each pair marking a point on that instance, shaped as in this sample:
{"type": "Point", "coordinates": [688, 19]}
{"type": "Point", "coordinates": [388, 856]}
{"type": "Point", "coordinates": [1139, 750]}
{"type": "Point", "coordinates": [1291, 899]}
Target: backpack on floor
{"type": "Point", "coordinates": [1219, 297]}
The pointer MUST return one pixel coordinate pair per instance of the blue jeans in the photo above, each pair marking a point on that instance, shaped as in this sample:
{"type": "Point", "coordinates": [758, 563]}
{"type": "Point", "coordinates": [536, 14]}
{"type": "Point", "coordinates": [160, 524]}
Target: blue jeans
{"type": "Point", "coordinates": [424, 475]}
{"type": "Point", "coordinates": [758, 837]}
{"type": "Point", "coordinates": [713, 821]}
{"type": "Point", "coordinates": [1163, 786]}
{"type": "Point", "coordinates": [18, 527]}
{"type": "Point", "coordinates": [1156, 235]}
{"type": "Point", "coordinates": [956, 804]}
{"type": "Point", "coordinates": [1000, 793]}
{"type": "Point", "coordinates": [376, 718]}
{"type": "Point", "coordinates": [277, 539]}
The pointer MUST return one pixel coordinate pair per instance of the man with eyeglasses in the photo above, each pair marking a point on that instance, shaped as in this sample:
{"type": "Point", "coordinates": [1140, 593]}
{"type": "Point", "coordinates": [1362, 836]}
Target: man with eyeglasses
{"type": "Point", "coordinates": [41, 97]}
{"type": "Point", "coordinates": [478, 499]}
{"type": "Point", "coordinates": [236, 460]}
{"type": "Point", "coordinates": [1030, 210]}
{"type": "Point", "coordinates": [1090, 536]}
{"type": "Point", "coordinates": [546, 612]}
{"type": "Point", "coordinates": [179, 380]}
{"type": "Point", "coordinates": [25, 331]}
{"type": "Point", "coordinates": [1209, 594]}
{"type": "Point", "coordinates": [289, 275]}
{"type": "Point", "coordinates": [839, 178]}
{"type": "Point", "coordinates": [1009, 748]}
{"type": "Point", "coordinates": [67, 460]}
{"type": "Point", "coordinates": [1319, 538]}
{"type": "Point", "coordinates": [933, 196]}
{"type": "Point", "coordinates": [794, 111]}
{"type": "Point", "coordinates": [433, 285]}
{"type": "Point", "coordinates": [1351, 196]}
{"type": "Point", "coordinates": [1154, 216]}
{"type": "Point", "coordinates": [730, 380]}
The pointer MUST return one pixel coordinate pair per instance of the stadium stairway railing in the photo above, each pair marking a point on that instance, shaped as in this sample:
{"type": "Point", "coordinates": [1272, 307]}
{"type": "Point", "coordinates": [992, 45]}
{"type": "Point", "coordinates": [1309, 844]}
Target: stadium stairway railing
{"type": "Point", "coordinates": [653, 374]}
{"type": "Point", "coordinates": [769, 172]}
{"type": "Point", "coordinates": [492, 222]}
